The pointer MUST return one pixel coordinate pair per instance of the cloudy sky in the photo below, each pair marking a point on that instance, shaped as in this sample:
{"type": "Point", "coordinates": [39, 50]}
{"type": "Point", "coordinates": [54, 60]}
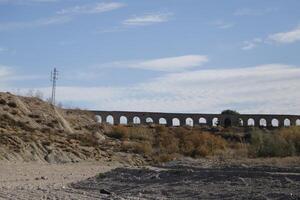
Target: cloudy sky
{"type": "Point", "coordinates": [142, 55]}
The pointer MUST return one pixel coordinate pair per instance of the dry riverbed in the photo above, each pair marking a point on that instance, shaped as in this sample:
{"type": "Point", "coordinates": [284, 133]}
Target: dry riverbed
{"type": "Point", "coordinates": [185, 179]}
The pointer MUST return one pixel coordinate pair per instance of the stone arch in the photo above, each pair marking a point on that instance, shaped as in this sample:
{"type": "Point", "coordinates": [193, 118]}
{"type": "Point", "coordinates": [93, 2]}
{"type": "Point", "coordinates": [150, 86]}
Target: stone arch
{"type": "Point", "coordinates": [149, 120]}
{"type": "Point", "coordinates": [251, 122]}
{"type": "Point", "coordinates": [189, 121]}
{"type": "Point", "coordinates": [263, 122]}
{"type": "Point", "coordinates": [275, 122]}
{"type": "Point", "coordinates": [287, 122]}
{"type": "Point", "coordinates": [175, 122]}
{"type": "Point", "coordinates": [110, 119]}
{"type": "Point", "coordinates": [162, 121]}
{"type": "Point", "coordinates": [98, 119]}
{"type": "Point", "coordinates": [297, 122]}
{"type": "Point", "coordinates": [123, 120]}
{"type": "Point", "coordinates": [215, 121]}
{"type": "Point", "coordinates": [202, 120]}
{"type": "Point", "coordinates": [136, 120]}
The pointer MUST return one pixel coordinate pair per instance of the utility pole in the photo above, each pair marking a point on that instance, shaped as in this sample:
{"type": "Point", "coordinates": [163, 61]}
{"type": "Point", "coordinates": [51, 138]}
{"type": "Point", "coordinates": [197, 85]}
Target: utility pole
{"type": "Point", "coordinates": [54, 78]}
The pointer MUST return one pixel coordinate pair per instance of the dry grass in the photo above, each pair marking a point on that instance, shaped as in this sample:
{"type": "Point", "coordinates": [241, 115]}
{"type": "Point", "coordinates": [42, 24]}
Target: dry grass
{"type": "Point", "coordinates": [118, 132]}
{"type": "Point", "coordinates": [137, 147]}
{"type": "Point", "coordinates": [163, 143]}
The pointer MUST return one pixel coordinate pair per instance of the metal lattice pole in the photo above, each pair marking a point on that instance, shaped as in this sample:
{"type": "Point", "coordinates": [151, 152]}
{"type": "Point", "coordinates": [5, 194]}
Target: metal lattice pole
{"type": "Point", "coordinates": [54, 78]}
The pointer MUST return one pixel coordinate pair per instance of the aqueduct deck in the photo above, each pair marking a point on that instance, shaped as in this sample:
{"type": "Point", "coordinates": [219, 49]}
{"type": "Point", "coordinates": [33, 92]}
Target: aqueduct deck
{"type": "Point", "coordinates": [194, 119]}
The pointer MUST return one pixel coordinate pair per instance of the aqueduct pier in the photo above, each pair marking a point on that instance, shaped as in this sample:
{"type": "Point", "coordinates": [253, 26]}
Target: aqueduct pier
{"type": "Point", "coordinates": [197, 119]}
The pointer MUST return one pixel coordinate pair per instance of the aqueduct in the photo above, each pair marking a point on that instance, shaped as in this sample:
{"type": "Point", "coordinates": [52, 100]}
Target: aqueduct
{"type": "Point", "coordinates": [197, 119]}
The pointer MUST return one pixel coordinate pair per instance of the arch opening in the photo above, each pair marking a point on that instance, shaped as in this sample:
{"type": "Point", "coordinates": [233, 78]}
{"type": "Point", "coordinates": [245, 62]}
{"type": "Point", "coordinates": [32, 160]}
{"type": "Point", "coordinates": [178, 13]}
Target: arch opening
{"type": "Point", "coordinates": [162, 121]}
{"type": "Point", "coordinates": [136, 120]}
{"type": "Point", "coordinates": [297, 122]}
{"type": "Point", "coordinates": [98, 119]}
{"type": "Point", "coordinates": [189, 121]}
{"type": "Point", "coordinates": [287, 122]}
{"type": "Point", "coordinates": [241, 122]}
{"type": "Point", "coordinates": [215, 121]}
{"type": "Point", "coordinates": [275, 122]}
{"type": "Point", "coordinates": [202, 121]}
{"type": "Point", "coordinates": [250, 122]}
{"type": "Point", "coordinates": [263, 122]}
{"type": "Point", "coordinates": [175, 122]}
{"type": "Point", "coordinates": [110, 119]}
{"type": "Point", "coordinates": [123, 120]}
{"type": "Point", "coordinates": [149, 120]}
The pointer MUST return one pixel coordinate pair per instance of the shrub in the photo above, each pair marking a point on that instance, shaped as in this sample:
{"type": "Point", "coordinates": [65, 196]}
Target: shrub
{"type": "Point", "coordinates": [202, 144]}
{"type": "Point", "coordinates": [139, 148]}
{"type": "Point", "coordinates": [229, 112]}
{"type": "Point", "coordinates": [163, 157]}
{"type": "Point", "coordinates": [140, 133]}
{"type": "Point", "coordinates": [168, 143]}
{"type": "Point", "coordinates": [292, 136]}
{"type": "Point", "coordinates": [264, 144]}
{"type": "Point", "coordinates": [118, 132]}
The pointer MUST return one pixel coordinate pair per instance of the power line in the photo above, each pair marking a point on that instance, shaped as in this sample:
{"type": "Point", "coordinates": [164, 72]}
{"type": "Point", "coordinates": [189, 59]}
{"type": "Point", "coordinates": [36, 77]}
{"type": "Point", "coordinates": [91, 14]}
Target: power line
{"type": "Point", "coordinates": [54, 78]}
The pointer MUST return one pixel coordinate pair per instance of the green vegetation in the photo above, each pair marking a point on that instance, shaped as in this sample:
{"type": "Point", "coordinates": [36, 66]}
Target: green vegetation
{"type": "Point", "coordinates": [230, 112]}
{"type": "Point", "coordinates": [163, 144]}
{"type": "Point", "coordinates": [280, 143]}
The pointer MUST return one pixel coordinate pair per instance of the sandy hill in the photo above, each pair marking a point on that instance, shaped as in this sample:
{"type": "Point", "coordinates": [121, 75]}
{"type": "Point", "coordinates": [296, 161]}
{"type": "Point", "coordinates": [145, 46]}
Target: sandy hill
{"type": "Point", "coordinates": [33, 130]}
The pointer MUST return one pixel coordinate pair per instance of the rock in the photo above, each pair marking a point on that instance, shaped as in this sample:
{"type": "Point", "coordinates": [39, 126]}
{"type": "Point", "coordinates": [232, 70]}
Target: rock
{"type": "Point", "coordinates": [99, 137]}
{"type": "Point", "coordinates": [155, 176]}
{"type": "Point", "coordinates": [2, 101]}
{"type": "Point", "coordinates": [288, 180]}
{"type": "Point", "coordinates": [12, 104]}
{"type": "Point", "coordinates": [104, 191]}
{"type": "Point", "coordinates": [243, 180]}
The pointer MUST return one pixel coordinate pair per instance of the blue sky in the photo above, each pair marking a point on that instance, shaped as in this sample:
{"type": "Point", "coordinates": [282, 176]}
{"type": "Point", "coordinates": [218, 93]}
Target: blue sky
{"type": "Point", "coordinates": [170, 55]}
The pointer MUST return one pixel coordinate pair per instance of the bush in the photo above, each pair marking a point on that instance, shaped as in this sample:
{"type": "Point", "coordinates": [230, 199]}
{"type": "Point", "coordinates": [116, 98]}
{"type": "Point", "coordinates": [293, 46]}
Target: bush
{"type": "Point", "coordinates": [140, 133]}
{"type": "Point", "coordinates": [264, 144]}
{"type": "Point", "coordinates": [292, 136]}
{"type": "Point", "coordinates": [202, 144]}
{"type": "Point", "coordinates": [229, 112]}
{"type": "Point", "coordinates": [118, 132]}
{"type": "Point", "coordinates": [167, 143]}
{"type": "Point", "coordinates": [139, 148]}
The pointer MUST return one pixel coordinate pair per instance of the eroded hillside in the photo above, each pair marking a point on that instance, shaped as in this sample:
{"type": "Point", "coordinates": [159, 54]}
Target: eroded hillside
{"type": "Point", "coordinates": [33, 130]}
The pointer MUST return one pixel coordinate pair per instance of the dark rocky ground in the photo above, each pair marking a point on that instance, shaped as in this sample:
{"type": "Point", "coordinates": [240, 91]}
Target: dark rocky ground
{"type": "Point", "coordinates": [190, 182]}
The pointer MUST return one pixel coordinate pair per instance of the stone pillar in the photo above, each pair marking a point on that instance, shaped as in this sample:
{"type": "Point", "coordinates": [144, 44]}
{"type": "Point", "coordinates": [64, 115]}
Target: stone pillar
{"type": "Point", "coordinates": [117, 119]}
{"type": "Point", "coordinates": [209, 121]}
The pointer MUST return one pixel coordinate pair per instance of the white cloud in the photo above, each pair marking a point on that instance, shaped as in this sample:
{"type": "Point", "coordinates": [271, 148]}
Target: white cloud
{"type": "Point", "coordinates": [4, 72]}
{"type": "Point", "coordinates": [253, 12]}
{"type": "Point", "coordinates": [36, 23]}
{"type": "Point", "coordinates": [263, 89]}
{"type": "Point", "coordinates": [25, 2]}
{"type": "Point", "coordinates": [277, 38]}
{"type": "Point", "coordinates": [2, 50]}
{"type": "Point", "coordinates": [248, 45]}
{"type": "Point", "coordinates": [286, 37]}
{"type": "Point", "coordinates": [92, 8]}
{"type": "Point", "coordinates": [271, 88]}
{"type": "Point", "coordinates": [148, 19]}
{"type": "Point", "coordinates": [221, 24]}
{"type": "Point", "coordinates": [169, 64]}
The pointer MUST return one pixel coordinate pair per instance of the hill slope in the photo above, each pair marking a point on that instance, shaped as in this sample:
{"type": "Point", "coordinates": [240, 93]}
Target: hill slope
{"type": "Point", "coordinates": [33, 130]}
